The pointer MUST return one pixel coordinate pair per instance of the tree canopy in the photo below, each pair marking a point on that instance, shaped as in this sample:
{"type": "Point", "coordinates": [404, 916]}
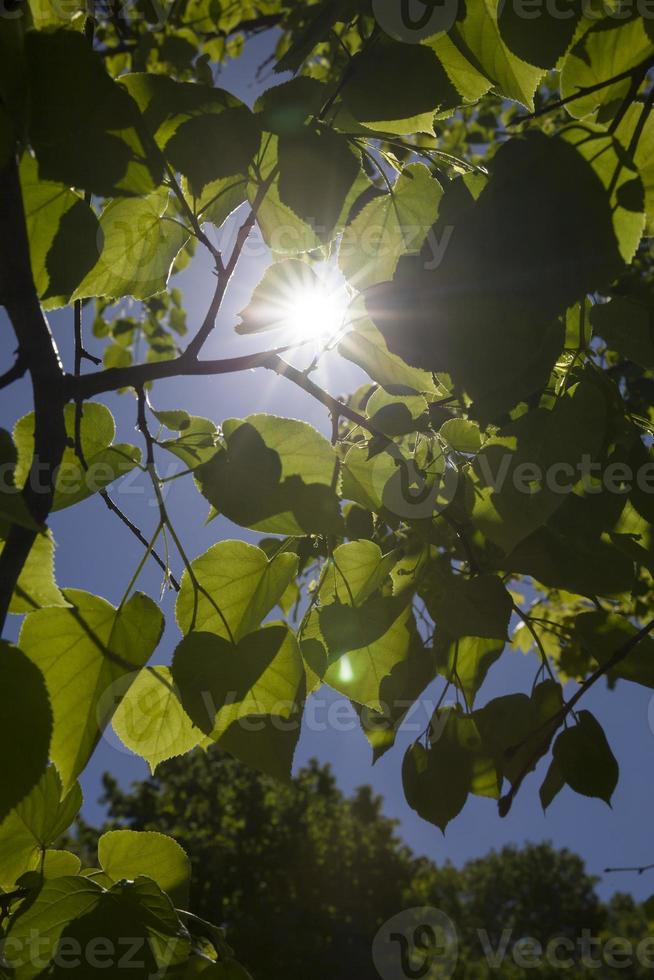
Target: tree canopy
{"type": "Point", "coordinates": [326, 871]}
{"type": "Point", "coordinates": [485, 194]}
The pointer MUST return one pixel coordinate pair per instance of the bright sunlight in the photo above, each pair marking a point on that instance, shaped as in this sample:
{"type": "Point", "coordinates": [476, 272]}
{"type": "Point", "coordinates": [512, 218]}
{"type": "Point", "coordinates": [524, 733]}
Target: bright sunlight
{"type": "Point", "coordinates": [316, 312]}
{"type": "Point", "coordinates": [306, 302]}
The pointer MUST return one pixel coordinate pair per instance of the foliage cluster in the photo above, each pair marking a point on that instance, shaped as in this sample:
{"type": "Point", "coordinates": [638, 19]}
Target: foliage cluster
{"type": "Point", "coordinates": [522, 349]}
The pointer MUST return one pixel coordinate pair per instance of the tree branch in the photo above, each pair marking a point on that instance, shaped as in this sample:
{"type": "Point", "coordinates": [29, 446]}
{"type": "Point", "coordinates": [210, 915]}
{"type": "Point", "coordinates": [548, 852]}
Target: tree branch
{"type": "Point", "coordinates": [79, 451]}
{"type": "Point", "coordinates": [637, 870]}
{"type": "Point", "coordinates": [14, 373]}
{"type": "Point", "coordinates": [137, 375]}
{"type": "Point", "coordinates": [225, 273]}
{"type": "Point", "coordinates": [639, 70]}
{"type": "Point", "coordinates": [38, 352]}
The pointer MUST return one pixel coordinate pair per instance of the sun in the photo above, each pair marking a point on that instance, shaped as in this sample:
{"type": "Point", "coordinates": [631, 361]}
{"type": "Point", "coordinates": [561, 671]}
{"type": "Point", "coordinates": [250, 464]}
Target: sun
{"type": "Point", "coordinates": [305, 303]}
{"type": "Point", "coordinates": [317, 312]}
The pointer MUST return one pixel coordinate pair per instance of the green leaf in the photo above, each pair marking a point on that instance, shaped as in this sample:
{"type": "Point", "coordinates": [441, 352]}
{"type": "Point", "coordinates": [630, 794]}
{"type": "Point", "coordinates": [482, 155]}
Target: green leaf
{"type": "Point", "coordinates": [357, 570]}
{"type": "Point", "coordinates": [462, 435]}
{"type": "Point", "coordinates": [73, 912]}
{"type": "Point", "coordinates": [516, 729]}
{"type": "Point", "coordinates": [166, 104]}
{"type": "Point", "coordinates": [321, 20]}
{"type": "Point", "coordinates": [466, 661]}
{"type": "Point", "coordinates": [248, 696]}
{"type": "Point", "coordinates": [365, 478]}
{"type": "Point", "coordinates": [13, 508]}
{"type": "Point", "coordinates": [397, 415]}
{"type": "Point", "coordinates": [286, 108]}
{"type": "Point", "coordinates": [196, 443]}
{"type": "Point", "coordinates": [25, 725]}
{"type": "Point", "coordinates": [37, 822]}
{"type": "Point", "coordinates": [150, 719]}
{"type": "Point", "coordinates": [47, 14]}
{"type": "Point", "coordinates": [239, 580]}
{"type": "Point", "coordinates": [105, 461]}
{"type": "Point", "coordinates": [480, 32]}
{"type": "Point", "coordinates": [552, 784]}
{"type": "Point", "coordinates": [498, 343]}
{"type": "Point", "coordinates": [85, 129]}
{"type": "Point", "coordinates": [610, 47]}
{"type": "Point", "coordinates": [467, 78]}
{"type": "Point", "coordinates": [57, 864]}
{"type": "Point", "coordinates": [139, 245]}
{"type": "Point", "coordinates": [622, 184]}
{"type": "Point", "coordinates": [177, 420]}
{"type": "Point", "coordinates": [63, 235]}
{"type": "Point", "coordinates": [36, 587]}
{"type": "Point", "coordinates": [542, 40]}
{"type": "Point", "coordinates": [398, 692]}
{"type": "Point", "coordinates": [282, 229]}
{"type": "Point", "coordinates": [365, 346]}
{"type": "Point", "coordinates": [569, 558]}
{"type": "Point", "coordinates": [126, 854]}
{"type": "Point", "coordinates": [390, 226]}
{"type": "Point", "coordinates": [88, 655]}
{"type": "Point", "coordinates": [585, 759]}
{"type": "Point", "coordinates": [57, 904]}
{"type": "Point", "coordinates": [438, 780]}
{"type": "Point", "coordinates": [316, 157]}
{"type": "Point", "coordinates": [626, 326]}
{"type": "Point", "coordinates": [643, 154]}
{"type": "Point", "coordinates": [479, 606]}
{"type": "Point", "coordinates": [514, 490]}
{"type": "Point", "coordinates": [229, 141]}
{"type": "Point", "coordinates": [221, 682]}
{"type": "Point", "coordinates": [276, 475]}
{"type": "Point", "coordinates": [271, 306]}
{"type": "Point", "coordinates": [220, 198]}
{"type": "Point", "coordinates": [603, 634]}
{"type": "Point", "coordinates": [398, 88]}
{"type": "Point", "coordinates": [354, 648]}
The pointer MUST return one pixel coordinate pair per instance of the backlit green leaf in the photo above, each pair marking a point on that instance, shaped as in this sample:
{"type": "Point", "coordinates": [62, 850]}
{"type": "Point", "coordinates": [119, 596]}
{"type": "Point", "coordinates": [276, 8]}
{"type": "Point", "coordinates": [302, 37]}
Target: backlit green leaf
{"type": "Point", "coordinates": [150, 720]}
{"type": "Point", "coordinates": [247, 697]}
{"type": "Point", "coordinates": [35, 824]}
{"type": "Point", "coordinates": [139, 245]}
{"type": "Point", "coordinates": [88, 655]}
{"type": "Point", "coordinates": [63, 234]}
{"type": "Point", "coordinates": [130, 853]}
{"type": "Point", "coordinates": [275, 475]}
{"type": "Point", "coordinates": [237, 586]}
{"type": "Point", "coordinates": [105, 461]}
{"type": "Point", "coordinates": [390, 226]}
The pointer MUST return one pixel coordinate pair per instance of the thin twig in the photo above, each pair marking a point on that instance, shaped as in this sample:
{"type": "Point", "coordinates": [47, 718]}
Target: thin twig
{"type": "Point", "coordinates": [14, 373]}
{"type": "Point", "coordinates": [637, 870]}
{"type": "Point", "coordinates": [226, 272]}
{"type": "Point", "coordinates": [584, 91]}
{"type": "Point", "coordinates": [79, 452]}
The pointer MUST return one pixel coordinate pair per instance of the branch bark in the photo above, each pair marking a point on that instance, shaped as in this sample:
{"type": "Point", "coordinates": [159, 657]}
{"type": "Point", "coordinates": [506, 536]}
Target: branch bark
{"type": "Point", "coordinates": [36, 350]}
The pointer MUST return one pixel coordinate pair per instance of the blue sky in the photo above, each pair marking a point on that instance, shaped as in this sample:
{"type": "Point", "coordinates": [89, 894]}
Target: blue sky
{"type": "Point", "coordinates": [96, 553]}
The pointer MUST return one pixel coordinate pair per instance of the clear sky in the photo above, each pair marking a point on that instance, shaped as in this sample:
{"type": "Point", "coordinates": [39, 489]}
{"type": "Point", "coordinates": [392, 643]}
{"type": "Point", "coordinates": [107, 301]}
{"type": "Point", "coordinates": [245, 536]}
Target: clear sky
{"type": "Point", "coordinates": [96, 553]}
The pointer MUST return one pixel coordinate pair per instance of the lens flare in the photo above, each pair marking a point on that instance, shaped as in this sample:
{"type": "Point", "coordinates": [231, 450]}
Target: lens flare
{"type": "Point", "coordinates": [316, 312]}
